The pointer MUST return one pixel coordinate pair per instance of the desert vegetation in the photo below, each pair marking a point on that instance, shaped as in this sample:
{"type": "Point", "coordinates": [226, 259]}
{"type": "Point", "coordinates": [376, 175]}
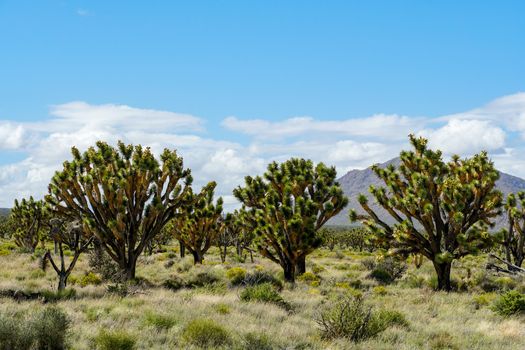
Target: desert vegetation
{"type": "Point", "coordinates": [101, 263]}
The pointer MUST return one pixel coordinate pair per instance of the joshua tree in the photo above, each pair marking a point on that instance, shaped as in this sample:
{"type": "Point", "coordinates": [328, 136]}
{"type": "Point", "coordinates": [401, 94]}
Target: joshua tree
{"type": "Point", "coordinates": [287, 206]}
{"type": "Point", "coordinates": [200, 224]}
{"type": "Point", "coordinates": [240, 233]}
{"type": "Point", "coordinates": [29, 217]}
{"type": "Point", "coordinates": [71, 235]}
{"type": "Point", "coordinates": [441, 210]}
{"type": "Point", "coordinates": [123, 196]}
{"type": "Point", "coordinates": [514, 237]}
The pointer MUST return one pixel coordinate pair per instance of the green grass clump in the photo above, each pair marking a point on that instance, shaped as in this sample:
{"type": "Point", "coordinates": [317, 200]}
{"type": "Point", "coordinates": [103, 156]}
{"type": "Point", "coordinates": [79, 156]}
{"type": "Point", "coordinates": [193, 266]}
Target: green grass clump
{"type": "Point", "coordinates": [265, 293]}
{"type": "Point", "coordinates": [159, 321]}
{"type": "Point", "coordinates": [259, 341]}
{"type": "Point", "coordinates": [308, 277]}
{"type": "Point", "coordinates": [115, 340]}
{"type": "Point", "coordinates": [89, 278]}
{"type": "Point", "coordinates": [54, 296]}
{"type": "Point", "coordinates": [206, 334]}
{"type": "Point", "coordinates": [236, 275]}
{"type": "Point", "coordinates": [510, 303]}
{"type": "Point", "coordinates": [222, 309]}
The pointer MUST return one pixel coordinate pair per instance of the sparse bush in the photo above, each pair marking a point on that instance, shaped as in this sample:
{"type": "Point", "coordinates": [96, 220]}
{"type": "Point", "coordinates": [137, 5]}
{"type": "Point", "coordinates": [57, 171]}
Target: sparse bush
{"type": "Point", "coordinates": [101, 263]}
{"type": "Point", "coordinates": [206, 334]}
{"type": "Point", "coordinates": [317, 269]}
{"type": "Point", "coordinates": [350, 318]}
{"type": "Point", "coordinates": [159, 321]}
{"type": "Point", "coordinates": [483, 299]}
{"type": "Point", "coordinates": [89, 279]}
{"type": "Point", "coordinates": [14, 334]}
{"type": "Point", "coordinates": [308, 277]}
{"type": "Point", "coordinates": [265, 293]}
{"type": "Point", "coordinates": [50, 328]}
{"type": "Point", "coordinates": [174, 283]}
{"type": "Point", "coordinates": [388, 270]}
{"type": "Point", "coordinates": [115, 340]}
{"type": "Point", "coordinates": [259, 277]}
{"type": "Point", "coordinates": [379, 290]}
{"type": "Point", "coordinates": [202, 279]}
{"type": "Point", "coordinates": [236, 275]}
{"type": "Point", "coordinates": [510, 303]}
{"type": "Point", "coordinates": [259, 341]}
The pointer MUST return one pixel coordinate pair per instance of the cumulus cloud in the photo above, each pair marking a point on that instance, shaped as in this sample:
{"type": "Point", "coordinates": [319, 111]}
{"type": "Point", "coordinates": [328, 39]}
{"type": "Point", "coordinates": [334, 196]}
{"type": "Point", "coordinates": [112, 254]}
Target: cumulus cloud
{"type": "Point", "coordinates": [347, 144]}
{"type": "Point", "coordinates": [12, 136]}
{"type": "Point", "coordinates": [466, 137]}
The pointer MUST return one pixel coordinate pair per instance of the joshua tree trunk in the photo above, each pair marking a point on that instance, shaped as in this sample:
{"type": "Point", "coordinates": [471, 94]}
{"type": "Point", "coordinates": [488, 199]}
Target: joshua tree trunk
{"type": "Point", "coordinates": [443, 275]}
{"type": "Point", "coordinates": [182, 250]}
{"type": "Point", "coordinates": [62, 281]}
{"type": "Point", "coordinates": [289, 271]}
{"type": "Point", "coordinates": [224, 252]}
{"type": "Point", "coordinates": [300, 266]}
{"type": "Point", "coordinates": [197, 257]}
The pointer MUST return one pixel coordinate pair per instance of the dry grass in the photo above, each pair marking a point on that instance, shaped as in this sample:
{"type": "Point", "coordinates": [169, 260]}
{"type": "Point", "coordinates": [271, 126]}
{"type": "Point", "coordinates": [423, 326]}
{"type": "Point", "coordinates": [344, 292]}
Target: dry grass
{"type": "Point", "coordinates": [157, 316]}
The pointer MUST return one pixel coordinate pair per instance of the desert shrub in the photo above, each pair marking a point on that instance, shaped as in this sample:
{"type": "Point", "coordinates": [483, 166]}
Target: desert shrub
{"type": "Point", "coordinates": [483, 299]}
{"type": "Point", "coordinates": [442, 341]}
{"type": "Point", "coordinates": [308, 277]}
{"type": "Point", "coordinates": [259, 341]}
{"type": "Point", "coordinates": [159, 321]}
{"type": "Point", "coordinates": [510, 303]}
{"type": "Point", "coordinates": [379, 290]}
{"type": "Point", "coordinates": [36, 274]}
{"type": "Point", "coordinates": [115, 340]}
{"type": "Point", "coordinates": [101, 263]}
{"type": "Point", "coordinates": [236, 275]}
{"type": "Point", "coordinates": [14, 334]}
{"type": "Point", "coordinates": [260, 277]}
{"type": "Point", "coordinates": [414, 281]}
{"type": "Point", "coordinates": [50, 327]}
{"type": "Point", "coordinates": [174, 283]}
{"type": "Point", "coordinates": [265, 293]}
{"type": "Point", "coordinates": [206, 333]}
{"type": "Point", "coordinates": [317, 269]}
{"type": "Point", "coordinates": [202, 279]}
{"type": "Point", "coordinates": [350, 318]}
{"type": "Point", "coordinates": [369, 263]}
{"type": "Point", "coordinates": [89, 279]}
{"type": "Point", "coordinates": [388, 270]}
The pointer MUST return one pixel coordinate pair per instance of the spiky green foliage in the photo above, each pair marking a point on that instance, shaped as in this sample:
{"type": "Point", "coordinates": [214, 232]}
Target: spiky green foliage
{"type": "Point", "coordinates": [514, 236]}
{"type": "Point", "coordinates": [72, 236]}
{"type": "Point", "coordinates": [30, 218]}
{"type": "Point", "coordinates": [123, 196]}
{"type": "Point", "coordinates": [287, 206]}
{"type": "Point", "coordinates": [7, 226]}
{"type": "Point", "coordinates": [198, 226]}
{"type": "Point", "coordinates": [441, 210]}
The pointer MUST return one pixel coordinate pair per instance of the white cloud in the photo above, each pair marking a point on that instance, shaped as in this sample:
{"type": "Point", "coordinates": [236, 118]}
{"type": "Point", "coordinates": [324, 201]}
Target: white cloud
{"type": "Point", "coordinates": [380, 125]}
{"type": "Point", "coordinates": [466, 137]}
{"type": "Point", "coordinates": [12, 136]}
{"type": "Point", "coordinates": [347, 144]}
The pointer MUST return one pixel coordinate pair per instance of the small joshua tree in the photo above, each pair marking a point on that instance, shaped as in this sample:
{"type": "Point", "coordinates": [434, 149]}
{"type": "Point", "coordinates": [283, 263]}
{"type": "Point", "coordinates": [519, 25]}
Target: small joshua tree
{"type": "Point", "coordinates": [123, 196]}
{"type": "Point", "coordinates": [241, 234]}
{"type": "Point", "coordinates": [70, 235]}
{"type": "Point", "coordinates": [514, 237]}
{"type": "Point", "coordinates": [287, 207]}
{"type": "Point", "coordinates": [441, 210]}
{"type": "Point", "coordinates": [30, 217]}
{"type": "Point", "coordinates": [199, 225]}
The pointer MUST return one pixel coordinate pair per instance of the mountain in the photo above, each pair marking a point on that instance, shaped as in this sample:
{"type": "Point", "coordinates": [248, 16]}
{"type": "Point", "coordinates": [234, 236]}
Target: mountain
{"type": "Point", "coordinates": [357, 181]}
{"type": "Point", "coordinates": [4, 211]}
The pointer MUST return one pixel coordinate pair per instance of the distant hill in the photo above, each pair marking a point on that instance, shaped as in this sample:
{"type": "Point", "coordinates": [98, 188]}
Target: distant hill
{"type": "Point", "coordinates": [357, 181]}
{"type": "Point", "coordinates": [4, 211]}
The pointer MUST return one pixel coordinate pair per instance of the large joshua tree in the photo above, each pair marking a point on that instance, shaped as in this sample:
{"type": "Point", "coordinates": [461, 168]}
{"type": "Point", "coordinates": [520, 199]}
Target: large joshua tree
{"type": "Point", "coordinates": [514, 237]}
{"type": "Point", "coordinates": [287, 206]}
{"type": "Point", "coordinates": [441, 210]}
{"type": "Point", "coordinates": [123, 196]}
{"type": "Point", "coordinates": [29, 217]}
{"type": "Point", "coordinates": [200, 224]}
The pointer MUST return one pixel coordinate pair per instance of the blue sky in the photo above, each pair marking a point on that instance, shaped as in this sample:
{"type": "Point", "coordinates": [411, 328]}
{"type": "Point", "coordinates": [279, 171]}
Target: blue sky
{"type": "Point", "coordinates": [237, 66]}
